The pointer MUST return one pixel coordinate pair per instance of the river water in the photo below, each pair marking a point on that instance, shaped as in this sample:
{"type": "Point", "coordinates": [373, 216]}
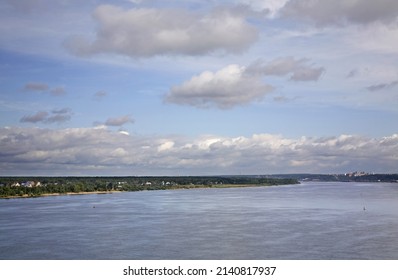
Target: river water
{"type": "Point", "coordinates": [314, 220]}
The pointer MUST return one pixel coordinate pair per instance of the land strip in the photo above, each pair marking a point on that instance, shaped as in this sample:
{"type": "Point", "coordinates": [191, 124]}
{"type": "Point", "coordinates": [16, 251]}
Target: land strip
{"type": "Point", "coordinates": [12, 187]}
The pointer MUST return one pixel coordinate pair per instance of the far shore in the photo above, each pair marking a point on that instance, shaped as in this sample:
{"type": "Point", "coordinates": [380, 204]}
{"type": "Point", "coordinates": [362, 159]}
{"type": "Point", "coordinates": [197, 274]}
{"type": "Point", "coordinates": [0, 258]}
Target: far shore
{"type": "Point", "coordinates": [59, 194]}
{"type": "Point", "coordinates": [180, 187]}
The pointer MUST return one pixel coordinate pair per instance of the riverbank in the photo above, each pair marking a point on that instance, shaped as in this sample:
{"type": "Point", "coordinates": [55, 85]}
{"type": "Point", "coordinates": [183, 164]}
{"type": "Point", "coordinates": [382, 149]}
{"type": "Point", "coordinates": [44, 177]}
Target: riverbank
{"type": "Point", "coordinates": [58, 194]}
{"type": "Point", "coordinates": [177, 187]}
{"type": "Point", "coordinates": [15, 187]}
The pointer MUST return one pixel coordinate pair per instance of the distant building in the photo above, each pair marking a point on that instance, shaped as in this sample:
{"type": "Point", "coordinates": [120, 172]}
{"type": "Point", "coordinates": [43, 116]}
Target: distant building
{"type": "Point", "coordinates": [356, 174]}
{"type": "Point", "coordinates": [28, 184]}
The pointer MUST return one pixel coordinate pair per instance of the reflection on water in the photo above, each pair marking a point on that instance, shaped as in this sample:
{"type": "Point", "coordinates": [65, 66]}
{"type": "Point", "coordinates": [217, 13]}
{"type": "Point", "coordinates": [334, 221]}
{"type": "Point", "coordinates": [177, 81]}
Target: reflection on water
{"type": "Point", "coordinates": [307, 221]}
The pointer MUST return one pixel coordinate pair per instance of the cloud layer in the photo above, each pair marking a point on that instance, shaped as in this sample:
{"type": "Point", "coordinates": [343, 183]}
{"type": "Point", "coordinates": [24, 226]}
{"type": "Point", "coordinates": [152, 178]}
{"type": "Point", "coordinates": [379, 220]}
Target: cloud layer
{"type": "Point", "coordinates": [145, 32]}
{"type": "Point", "coordinates": [98, 151]}
{"type": "Point", "coordinates": [137, 52]}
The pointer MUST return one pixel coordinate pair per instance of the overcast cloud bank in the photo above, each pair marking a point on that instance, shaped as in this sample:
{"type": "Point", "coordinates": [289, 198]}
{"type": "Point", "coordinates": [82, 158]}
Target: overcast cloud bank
{"type": "Point", "coordinates": [102, 151]}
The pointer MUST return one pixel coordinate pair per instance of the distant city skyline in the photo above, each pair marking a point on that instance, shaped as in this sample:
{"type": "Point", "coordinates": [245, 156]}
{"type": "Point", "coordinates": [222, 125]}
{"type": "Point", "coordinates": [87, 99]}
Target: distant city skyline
{"type": "Point", "coordinates": [149, 87]}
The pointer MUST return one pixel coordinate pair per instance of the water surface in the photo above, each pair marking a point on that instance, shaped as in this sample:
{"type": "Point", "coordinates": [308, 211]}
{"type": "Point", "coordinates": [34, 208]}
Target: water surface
{"type": "Point", "coordinates": [307, 221]}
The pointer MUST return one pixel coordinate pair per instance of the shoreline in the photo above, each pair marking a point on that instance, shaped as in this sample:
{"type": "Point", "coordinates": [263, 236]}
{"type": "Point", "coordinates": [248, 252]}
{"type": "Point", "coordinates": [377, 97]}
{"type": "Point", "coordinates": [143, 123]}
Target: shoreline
{"type": "Point", "coordinates": [58, 194]}
{"type": "Point", "coordinates": [180, 187]}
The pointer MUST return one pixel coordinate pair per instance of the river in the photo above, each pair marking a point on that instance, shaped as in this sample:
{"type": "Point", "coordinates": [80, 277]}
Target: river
{"type": "Point", "coordinates": [313, 220]}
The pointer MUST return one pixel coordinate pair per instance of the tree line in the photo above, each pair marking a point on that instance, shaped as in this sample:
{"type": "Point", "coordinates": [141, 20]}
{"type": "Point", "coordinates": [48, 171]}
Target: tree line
{"type": "Point", "coordinates": [36, 186]}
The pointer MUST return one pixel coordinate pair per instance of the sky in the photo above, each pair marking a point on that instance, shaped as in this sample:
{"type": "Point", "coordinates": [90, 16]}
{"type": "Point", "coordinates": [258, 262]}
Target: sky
{"type": "Point", "coordinates": [150, 87]}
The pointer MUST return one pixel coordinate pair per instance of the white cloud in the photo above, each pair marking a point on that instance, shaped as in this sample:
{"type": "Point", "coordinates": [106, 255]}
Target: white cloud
{"type": "Point", "coordinates": [236, 85]}
{"type": "Point", "coordinates": [224, 89]}
{"type": "Point", "coordinates": [119, 152]}
{"type": "Point", "coordinates": [332, 12]}
{"type": "Point", "coordinates": [166, 146]}
{"type": "Point", "coordinates": [98, 150]}
{"type": "Point", "coordinates": [145, 32]}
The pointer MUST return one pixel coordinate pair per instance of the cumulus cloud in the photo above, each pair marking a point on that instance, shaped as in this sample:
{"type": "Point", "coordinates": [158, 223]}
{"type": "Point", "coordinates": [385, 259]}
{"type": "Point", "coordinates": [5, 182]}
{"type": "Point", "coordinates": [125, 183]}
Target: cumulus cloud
{"type": "Point", "coordinates": [226, 88]}
{"type": "Point", "coordinates": [298, 69]}
{"type": "Point", "coordinates": [119, 121]}
{"type": "Point", "coordinates": [98, 150]}
{"type": "Point", "coordinates": [146, 32]}
{"type": "Point", "coordinates": [337, 12]}
{"type": "Point", "coordinates": [167, 145]}
{"type": "Point", "coordinates": [236, 85]}
{"type": "Point", "coordinates": [55, 116]}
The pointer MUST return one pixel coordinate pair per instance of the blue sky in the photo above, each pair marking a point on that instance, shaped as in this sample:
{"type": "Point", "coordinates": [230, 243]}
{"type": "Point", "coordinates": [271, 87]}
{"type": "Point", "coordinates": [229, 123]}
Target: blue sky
{"type": "Point", "coordinates": [198, 87]}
